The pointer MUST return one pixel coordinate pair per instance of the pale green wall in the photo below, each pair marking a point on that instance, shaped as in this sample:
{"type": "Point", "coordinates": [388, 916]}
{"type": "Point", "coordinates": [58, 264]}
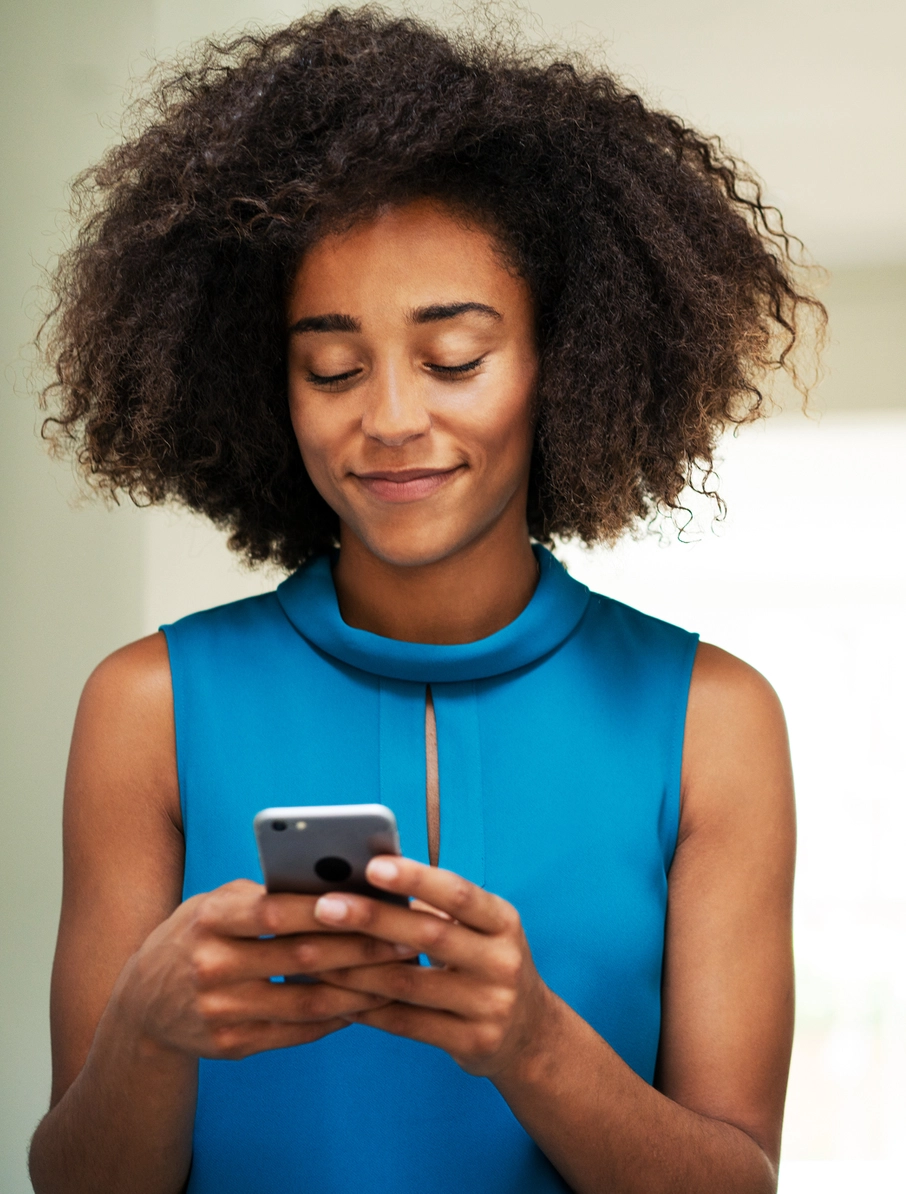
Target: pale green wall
{"type": "Point", "coordinates": [71, 580]}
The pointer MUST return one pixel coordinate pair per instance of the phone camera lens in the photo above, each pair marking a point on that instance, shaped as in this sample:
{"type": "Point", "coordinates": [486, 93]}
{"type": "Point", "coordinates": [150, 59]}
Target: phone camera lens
{"type": "Point", "coordinates": [278, 824]}
{"type": "Point", "coordinates": [333, 870]}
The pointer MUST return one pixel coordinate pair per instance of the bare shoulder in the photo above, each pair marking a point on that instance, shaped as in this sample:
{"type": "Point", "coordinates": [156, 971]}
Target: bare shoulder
{"type": "Point", "coordinates": [736, 751]}
{"type": "Point", "coordinates": [139, 671]}
{"type": "Point", "coordinates": [718, 676]}
{"type": "Point", "coordinates": [124, 740]}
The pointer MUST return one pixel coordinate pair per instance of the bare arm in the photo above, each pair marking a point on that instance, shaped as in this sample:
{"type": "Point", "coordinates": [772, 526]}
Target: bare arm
{"type": "Point", "coordinates": [122, 877]}
{"type": "Point", "coordinates": [712, 1121]}
{"type": "Point", "coordinates": [143, 985]}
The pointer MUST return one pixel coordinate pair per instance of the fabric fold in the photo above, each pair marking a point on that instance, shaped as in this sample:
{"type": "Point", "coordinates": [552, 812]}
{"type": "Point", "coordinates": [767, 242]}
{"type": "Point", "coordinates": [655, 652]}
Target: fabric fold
{"type": "Point", "coordinates": [309, 600]}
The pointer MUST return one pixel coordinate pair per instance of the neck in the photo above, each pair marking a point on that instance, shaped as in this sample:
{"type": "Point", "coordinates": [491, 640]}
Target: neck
{"type": "Point", "coordinates": [466, 596]}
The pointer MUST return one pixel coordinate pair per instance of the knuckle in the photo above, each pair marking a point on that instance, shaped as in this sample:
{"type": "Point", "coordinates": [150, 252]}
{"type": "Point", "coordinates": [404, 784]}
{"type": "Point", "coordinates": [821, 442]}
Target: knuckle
{"type": "Point", "coordinates": [268, 915]}
{"type": "Point", "coordinates": [228, 1043]}
{"type": "Point", "coordinates": [460, 895]}
{"type": "Point", "coordinates": [193, 903]}
{"type": "Point", "coordinates": [207, 965]}
{"type": "Point", "coordinates": [213, 1007]}
{"type": "Point", "coordinates": [500, 1003]}
{"type": "Point", "coordinates": [206, 915]}
{"type": "Point", "coordinates": [509, 964]}
{"type": "Point", "coordinates": [436, 933]}
{"type": "Point", "coordinates": [486, 1039]}
{"type": "Point", "coordinates": [512, 922]}
{"type": "Point", "coordinates": [509, 1001]}
{"type": "Point", "coordinates": [239, 886]}
{"type": "Point", "coordinates": [365, 912]}
{"type": "Point", "coordinates": [306, 955]}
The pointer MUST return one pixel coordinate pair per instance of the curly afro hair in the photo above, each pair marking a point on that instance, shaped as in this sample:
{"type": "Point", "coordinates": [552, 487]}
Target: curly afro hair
{"type": "Point", "coordinates": [664, 286]}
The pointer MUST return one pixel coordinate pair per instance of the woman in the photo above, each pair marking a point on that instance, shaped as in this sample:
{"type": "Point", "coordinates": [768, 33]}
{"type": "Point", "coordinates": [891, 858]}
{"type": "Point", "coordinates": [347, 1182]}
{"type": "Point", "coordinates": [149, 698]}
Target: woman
{"type": "Point", "coordinates": [391, 306]}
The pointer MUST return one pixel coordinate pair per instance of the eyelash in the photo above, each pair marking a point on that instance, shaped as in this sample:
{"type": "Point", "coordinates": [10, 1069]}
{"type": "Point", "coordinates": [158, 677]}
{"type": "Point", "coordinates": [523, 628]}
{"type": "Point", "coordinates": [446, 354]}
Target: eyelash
{"type": "Point", "coordinates": [457, 370]}
{"type": "Point", "coordinates": [452, 371]}
{"type": "Point", "coordinates": [336, 380]}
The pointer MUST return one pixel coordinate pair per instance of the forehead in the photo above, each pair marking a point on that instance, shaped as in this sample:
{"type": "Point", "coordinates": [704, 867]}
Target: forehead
{"type": "Point", "coordinates": [418, 254]}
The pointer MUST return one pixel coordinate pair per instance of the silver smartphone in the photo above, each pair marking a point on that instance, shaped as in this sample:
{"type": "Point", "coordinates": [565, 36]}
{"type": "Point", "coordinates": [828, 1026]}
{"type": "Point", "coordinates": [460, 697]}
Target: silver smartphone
{"type": "Point", "coordinates": [311, 849]}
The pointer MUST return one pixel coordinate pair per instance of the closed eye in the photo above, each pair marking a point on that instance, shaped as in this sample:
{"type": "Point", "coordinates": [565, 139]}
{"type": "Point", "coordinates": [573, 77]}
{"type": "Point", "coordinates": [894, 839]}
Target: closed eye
{"type": "Point", "coordinates": [335, 379]}
{"type": "Point", "coordinates": [456, 370]}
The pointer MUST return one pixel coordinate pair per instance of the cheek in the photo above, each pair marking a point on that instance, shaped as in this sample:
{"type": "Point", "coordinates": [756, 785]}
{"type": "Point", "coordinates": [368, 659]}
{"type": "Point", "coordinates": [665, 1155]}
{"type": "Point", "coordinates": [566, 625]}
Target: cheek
{"type": "Point", "coordinates": [504, 425]}
{"type": "Point", "coordinates": [314, 434]}
{"type": "Point", "coordinates": [311, 412]}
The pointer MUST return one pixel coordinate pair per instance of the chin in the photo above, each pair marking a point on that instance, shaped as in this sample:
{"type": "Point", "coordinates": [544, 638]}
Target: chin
{"type": "Point", "coordinates": [413, 547]}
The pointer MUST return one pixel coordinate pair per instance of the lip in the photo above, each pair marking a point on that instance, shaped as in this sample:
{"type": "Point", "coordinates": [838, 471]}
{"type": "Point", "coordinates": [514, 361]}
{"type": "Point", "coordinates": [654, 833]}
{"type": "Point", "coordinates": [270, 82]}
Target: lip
{"type": "Point", "coordinates": [407, 484]}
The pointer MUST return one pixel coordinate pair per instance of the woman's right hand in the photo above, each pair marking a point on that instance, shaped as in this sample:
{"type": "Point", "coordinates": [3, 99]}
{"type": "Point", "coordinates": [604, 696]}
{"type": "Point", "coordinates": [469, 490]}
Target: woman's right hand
{"type": "Point", "coordinates": [200, 983]}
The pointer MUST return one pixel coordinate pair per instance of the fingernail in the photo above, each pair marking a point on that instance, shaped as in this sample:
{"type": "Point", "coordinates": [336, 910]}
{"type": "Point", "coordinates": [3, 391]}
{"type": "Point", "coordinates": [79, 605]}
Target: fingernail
{"type": "Point", "coordinates": [331, 908]}
{"type": "Point", "coordinates": [382, 868]}
{"type": "Point", "coordinates": [404, 951]}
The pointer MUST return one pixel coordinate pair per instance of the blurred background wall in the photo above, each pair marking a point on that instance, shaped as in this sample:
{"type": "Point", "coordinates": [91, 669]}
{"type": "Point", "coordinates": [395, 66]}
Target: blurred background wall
{"type": "Point", "coordinates": [806, 578]}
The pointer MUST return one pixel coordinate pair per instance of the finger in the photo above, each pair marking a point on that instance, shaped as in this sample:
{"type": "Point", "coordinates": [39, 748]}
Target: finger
{"type": "Point", "coordinates": [421, 906]}
{"type": "Point", "coordinates": [446, 1031]}
{"type": "Point", "coordinates": [235, 1041]}
{"type": "Point", "coordinates": [440, 938]}
{"type": "Point", "coordinates": [445, 890]}
{"type": "Point", "coordinates": [224, 960]}
{"type": "Point", "coordinates": [291, 1003]}
{"type": "Point", "coordinates": [245, 909]}
{"type": "Point", "coordinates": [423, 986]}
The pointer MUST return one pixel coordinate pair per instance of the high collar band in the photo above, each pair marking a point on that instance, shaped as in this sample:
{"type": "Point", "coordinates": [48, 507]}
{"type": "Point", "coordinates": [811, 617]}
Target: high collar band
{"type": "Point", "coordinates": [309, 600]}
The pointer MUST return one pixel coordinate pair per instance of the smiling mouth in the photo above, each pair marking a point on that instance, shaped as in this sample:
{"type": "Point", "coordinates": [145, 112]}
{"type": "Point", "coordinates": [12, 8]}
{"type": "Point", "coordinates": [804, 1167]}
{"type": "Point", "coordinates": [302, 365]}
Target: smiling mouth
{"type": "Point", "coordinates": [407, 484]}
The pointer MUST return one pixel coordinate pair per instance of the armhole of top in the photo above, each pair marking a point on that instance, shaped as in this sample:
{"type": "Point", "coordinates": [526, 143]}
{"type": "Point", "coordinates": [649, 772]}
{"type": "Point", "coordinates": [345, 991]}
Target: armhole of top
{"type": "Point", "coordinates": [171, 635]}
{"type": "Point", "coordinates": [680, 704]}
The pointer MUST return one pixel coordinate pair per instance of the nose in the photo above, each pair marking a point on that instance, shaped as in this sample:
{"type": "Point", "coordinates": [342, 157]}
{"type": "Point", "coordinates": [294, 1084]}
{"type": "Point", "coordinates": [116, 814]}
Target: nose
{"type": "Point", "coordinates": [395, 412]}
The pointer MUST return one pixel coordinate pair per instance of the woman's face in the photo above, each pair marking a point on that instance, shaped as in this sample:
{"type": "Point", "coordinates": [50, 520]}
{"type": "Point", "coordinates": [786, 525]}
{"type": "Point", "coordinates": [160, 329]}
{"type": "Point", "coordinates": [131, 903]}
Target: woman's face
{"type": "Point", "coordinates": [412, 365]}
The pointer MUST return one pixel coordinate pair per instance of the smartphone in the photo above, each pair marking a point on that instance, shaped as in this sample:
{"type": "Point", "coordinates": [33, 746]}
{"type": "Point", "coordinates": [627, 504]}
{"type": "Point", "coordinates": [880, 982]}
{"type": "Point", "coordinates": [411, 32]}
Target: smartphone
{"type": "Point", "coordinates": [311, 849]}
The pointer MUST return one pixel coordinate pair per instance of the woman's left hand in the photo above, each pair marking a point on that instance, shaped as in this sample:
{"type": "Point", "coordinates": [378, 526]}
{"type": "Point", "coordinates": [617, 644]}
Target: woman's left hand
{"type": "Point", "coordinates": [485, 1003]}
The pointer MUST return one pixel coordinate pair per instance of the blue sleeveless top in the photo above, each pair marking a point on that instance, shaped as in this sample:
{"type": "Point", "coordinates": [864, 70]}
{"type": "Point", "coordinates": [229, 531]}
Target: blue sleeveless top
{"type": "Point", "coordinates": [559, 751]}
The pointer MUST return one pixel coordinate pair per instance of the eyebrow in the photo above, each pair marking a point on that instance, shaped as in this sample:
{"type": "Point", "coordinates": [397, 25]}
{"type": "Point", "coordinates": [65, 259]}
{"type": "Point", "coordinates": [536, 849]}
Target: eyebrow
{"type": "Point", "coordinates": [326, 323]}
{"type": "Point", "coordinates": [433, 314]}
{"type": "Point", "coordinates": [439, 311]}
